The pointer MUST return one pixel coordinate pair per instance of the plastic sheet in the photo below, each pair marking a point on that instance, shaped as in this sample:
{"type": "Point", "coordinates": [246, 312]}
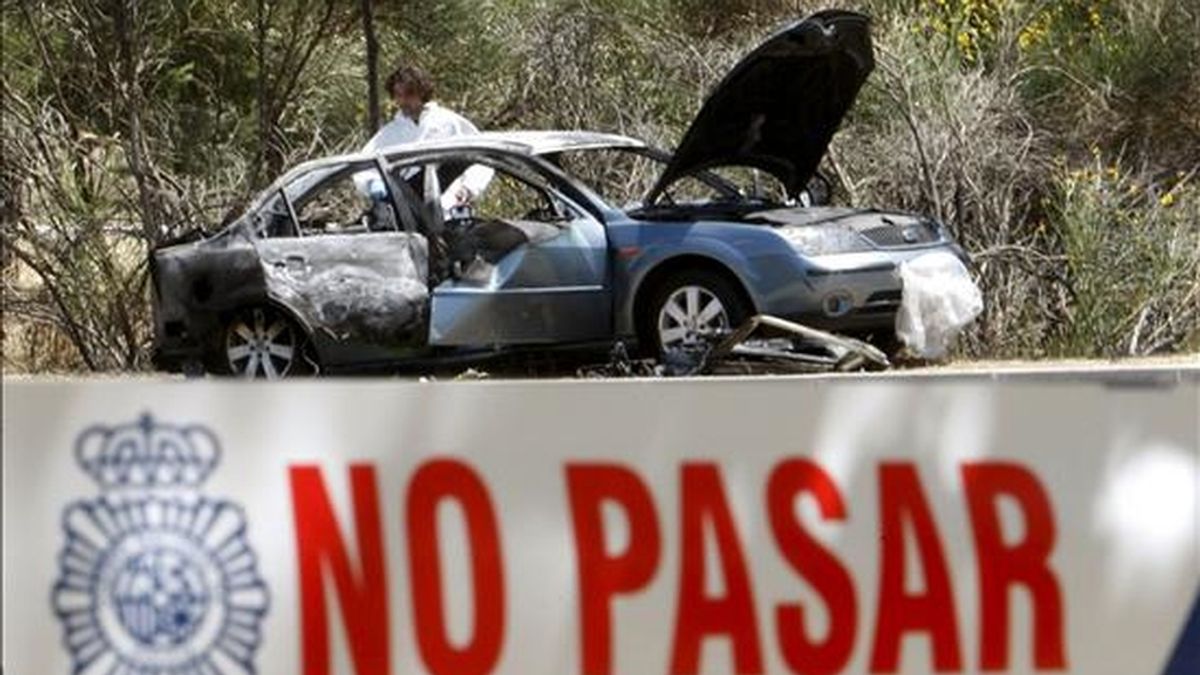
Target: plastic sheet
{"type": "Point", "coordinates": [939, 299]}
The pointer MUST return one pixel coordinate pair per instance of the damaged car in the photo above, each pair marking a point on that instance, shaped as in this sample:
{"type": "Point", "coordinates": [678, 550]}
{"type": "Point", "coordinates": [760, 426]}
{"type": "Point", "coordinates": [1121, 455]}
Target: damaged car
{"type": "Point", "coordinates": [581, 239]}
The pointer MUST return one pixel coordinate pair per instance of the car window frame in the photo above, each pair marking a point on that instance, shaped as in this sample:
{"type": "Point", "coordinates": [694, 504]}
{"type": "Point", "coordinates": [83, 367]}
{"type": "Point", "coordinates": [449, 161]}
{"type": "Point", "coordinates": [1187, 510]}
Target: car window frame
{"type": "Point", "coordinates": [405, 222]}
{"type": "Point", "coordinates": [292, 215]}
{"type": "Point", "coordinates": [528, 169]}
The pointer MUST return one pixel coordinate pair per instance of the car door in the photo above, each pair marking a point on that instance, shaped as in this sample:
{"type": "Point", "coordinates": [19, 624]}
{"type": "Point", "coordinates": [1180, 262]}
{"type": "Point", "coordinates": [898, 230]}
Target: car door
{"type": "Point", "coordinates": [527, 266]}
{"type": "Point", "coordinates": [349, 264]}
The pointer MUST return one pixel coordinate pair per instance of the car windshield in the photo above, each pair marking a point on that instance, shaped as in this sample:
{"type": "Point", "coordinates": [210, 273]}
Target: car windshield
{"type": "Point", "coordinates": [624, 176]}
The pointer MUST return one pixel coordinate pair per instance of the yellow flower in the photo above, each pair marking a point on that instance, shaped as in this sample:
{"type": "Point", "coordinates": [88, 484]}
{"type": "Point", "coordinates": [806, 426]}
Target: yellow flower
{"type": "Point", "coordinates": [1167, 200]}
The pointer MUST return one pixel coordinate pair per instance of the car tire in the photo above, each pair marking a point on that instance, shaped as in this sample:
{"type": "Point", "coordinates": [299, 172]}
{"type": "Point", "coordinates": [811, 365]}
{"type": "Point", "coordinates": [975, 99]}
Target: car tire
{"type": "Point", "coordinates": [261, 343]}
{"type": "Point", "coordinates": [685, 306]}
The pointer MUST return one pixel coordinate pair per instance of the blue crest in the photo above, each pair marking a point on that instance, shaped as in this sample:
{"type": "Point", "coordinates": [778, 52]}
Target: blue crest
{"type": "Point", "coordinates": [153, 577]}
{"type": "Point", "coordinates": [146, 454]}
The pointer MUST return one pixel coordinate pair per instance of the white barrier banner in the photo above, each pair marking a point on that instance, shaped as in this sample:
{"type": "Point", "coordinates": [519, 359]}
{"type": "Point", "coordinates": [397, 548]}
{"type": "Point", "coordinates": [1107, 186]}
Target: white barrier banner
{"type": "Point", "coordinates": [1034, 523]}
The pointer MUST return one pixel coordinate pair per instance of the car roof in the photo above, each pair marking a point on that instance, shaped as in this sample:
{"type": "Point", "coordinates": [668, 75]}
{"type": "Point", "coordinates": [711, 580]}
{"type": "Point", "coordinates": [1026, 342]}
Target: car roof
{"type": "Point", "coordinates": [524, 142]}
{"type": "Point", "coordinates": [516, 142]}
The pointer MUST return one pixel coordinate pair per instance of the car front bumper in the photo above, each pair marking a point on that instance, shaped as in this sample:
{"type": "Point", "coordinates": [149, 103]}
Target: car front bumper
{"type": "Point", "coordinates": [846, 292]}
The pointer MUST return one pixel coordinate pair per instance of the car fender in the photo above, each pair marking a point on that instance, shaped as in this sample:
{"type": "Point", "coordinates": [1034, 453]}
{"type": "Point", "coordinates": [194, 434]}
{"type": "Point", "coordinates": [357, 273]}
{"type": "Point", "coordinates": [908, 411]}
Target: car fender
{"type": "Point", "coordinates": [653, 257]}
{"type": "Point", "coordinates": [294, 313]}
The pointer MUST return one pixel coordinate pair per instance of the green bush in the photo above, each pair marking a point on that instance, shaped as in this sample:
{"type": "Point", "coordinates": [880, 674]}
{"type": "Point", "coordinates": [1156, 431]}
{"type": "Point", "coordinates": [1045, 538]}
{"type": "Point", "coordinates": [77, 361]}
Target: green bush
{"type": "Point", "coordinates": [1132, 248]}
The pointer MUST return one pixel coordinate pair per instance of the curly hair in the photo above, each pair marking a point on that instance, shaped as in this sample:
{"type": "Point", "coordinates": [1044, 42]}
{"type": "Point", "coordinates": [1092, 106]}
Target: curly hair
{"type": "Point", "coordinates": [413, 78]}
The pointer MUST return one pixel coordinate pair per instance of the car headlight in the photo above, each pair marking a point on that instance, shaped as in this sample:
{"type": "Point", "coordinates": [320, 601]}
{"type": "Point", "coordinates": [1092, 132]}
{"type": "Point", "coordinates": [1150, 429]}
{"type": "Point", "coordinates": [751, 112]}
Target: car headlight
{"type": "Point", "coordinates": [824, 240]}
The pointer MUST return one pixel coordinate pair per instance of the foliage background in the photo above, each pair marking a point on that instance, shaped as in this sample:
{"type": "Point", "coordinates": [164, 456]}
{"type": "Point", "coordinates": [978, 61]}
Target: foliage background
{"type": "Point", "coordinates": [1058, 139]}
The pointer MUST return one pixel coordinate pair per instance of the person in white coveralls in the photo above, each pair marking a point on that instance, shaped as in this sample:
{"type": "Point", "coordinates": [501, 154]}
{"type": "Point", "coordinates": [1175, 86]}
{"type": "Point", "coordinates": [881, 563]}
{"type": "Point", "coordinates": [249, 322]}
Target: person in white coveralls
{"type": "Point", "coordinates": [419, 118]}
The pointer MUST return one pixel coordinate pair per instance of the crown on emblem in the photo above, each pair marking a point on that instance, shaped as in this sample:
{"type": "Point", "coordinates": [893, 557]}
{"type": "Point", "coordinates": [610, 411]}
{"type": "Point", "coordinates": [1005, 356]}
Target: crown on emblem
{"type": "Point", "coordinates": [147, 454]}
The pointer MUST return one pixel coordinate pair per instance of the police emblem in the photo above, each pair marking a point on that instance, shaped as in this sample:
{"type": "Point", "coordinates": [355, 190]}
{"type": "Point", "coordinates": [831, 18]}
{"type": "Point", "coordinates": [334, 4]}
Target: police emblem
{"type": "Point", "coordinates": [154, 577]}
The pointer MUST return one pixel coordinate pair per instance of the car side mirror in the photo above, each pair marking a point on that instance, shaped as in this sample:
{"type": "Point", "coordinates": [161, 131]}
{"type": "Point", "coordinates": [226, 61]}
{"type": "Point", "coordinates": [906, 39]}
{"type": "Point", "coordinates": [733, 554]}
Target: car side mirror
{"type": "Point", "coordinates": [818, 192]}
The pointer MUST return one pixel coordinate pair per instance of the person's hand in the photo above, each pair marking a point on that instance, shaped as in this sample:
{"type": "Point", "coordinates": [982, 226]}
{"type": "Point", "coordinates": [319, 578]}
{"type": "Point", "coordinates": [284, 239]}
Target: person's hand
{"type": "Point", "coordinates": [462, 197]}
{"type": "Point", "coordinates": [456, 199]}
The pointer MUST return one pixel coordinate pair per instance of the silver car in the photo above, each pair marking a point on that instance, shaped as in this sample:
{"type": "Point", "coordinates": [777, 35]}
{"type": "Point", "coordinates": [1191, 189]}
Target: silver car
{"type": "Point", "coordinates": [580, 240]}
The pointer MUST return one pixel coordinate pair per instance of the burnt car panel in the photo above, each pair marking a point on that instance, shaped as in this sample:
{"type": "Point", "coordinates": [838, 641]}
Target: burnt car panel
{"type": "Point", "coordinates": [195, 285]}
{"type": "Point", "coordinates": [360, 290]}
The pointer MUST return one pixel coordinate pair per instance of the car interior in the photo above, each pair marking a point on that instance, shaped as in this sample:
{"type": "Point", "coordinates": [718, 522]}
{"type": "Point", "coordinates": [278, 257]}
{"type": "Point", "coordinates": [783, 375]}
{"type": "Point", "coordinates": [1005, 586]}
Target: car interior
{"type": "Point", "coordinates": [332, 200]}
{"type": "Point", "coordinates": [513, 211]}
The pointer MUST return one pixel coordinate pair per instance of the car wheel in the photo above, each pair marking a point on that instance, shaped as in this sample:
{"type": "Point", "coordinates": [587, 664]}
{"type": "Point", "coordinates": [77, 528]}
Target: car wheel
{"type": "Point", "coordinates": [262, 343]}
{"type": "Point", "coordinates": [688, 307]}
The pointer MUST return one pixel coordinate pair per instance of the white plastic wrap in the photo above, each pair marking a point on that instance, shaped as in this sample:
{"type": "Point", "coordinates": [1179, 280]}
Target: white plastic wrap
{"type": "Point", "coordinates": [938, 300]}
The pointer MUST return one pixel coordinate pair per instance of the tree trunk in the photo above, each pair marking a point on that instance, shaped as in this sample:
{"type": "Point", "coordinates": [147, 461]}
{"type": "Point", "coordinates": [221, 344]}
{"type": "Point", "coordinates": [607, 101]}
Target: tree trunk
{"type": "Point", "coordinates": [368, 25]}
{"type": "Point", "coordinates": [260, 74]}
{"type": "Point", "coordinates": [128, 36]}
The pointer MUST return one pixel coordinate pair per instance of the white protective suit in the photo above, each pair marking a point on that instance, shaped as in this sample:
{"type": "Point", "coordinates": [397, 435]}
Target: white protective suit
{"type": "Point", "coordinates": [435, 122]}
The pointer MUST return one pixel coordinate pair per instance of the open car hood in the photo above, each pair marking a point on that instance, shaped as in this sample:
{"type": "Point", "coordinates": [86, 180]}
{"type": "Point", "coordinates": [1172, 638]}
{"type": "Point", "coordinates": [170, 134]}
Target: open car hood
{"type": "Point", "coordinates": [779, 107]}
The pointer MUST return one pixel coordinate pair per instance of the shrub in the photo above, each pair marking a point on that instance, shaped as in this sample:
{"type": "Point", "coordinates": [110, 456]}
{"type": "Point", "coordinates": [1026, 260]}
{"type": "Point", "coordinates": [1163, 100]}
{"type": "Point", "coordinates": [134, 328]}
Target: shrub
{"type": "Point", "coordinates": [1132, 247]}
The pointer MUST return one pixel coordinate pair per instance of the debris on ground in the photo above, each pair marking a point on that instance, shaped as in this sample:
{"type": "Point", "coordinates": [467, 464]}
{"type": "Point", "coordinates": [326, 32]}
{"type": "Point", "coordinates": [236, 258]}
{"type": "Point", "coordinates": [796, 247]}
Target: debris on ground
{"type": "Point", "coordinates": [762, 345]}
{"type": "Point", "coordinates": [621, 364]}
{"type": "Point", "coordinates": [472, 374]}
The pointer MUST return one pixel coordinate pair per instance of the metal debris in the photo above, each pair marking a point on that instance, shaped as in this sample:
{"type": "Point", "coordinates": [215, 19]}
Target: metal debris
{"type": "Point", "coordinates": [620, 364]}
{"type": "Point", "coordinates": [762, 345]}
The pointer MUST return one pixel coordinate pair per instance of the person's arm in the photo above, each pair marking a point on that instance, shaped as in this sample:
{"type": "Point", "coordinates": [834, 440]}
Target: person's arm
{"type": "Point", "coordinates": [468, 187]}
{"type": "Point", "coordinates": [442, 123]}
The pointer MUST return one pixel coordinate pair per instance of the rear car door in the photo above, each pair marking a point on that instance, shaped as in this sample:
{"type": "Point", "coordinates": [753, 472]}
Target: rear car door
{"type": "Point", "coordinates": [343, 254]}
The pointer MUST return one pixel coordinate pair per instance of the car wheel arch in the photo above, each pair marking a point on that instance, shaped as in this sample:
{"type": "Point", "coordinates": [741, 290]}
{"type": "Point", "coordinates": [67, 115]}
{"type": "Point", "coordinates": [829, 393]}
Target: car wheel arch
{"type": "Point", "coordinates": [273, 303]}
{"type": "Point", "coordinates": [664, 269]}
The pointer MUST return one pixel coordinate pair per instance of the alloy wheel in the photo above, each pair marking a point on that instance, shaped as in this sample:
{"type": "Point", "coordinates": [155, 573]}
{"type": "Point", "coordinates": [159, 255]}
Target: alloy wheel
{"type": "Point", "coordinates": [261, 343]}
{"type": "Point", "coordinates": [689, 314]}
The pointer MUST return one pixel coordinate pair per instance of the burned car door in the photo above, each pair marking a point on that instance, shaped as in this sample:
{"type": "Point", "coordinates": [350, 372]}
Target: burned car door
{"type": "Point", "coordinates": [525, 266]}
{"type": "Point", "coordinates": [346, 259]}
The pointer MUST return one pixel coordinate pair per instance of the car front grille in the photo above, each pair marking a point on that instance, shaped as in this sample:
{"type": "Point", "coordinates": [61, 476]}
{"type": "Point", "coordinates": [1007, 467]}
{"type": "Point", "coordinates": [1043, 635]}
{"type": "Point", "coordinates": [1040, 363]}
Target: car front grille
{"type": "Point", "coordinates": [899, 236]}
{"type": "Point", "coordinates": [885, 297]}
{"type": "Point", "coordinates": [881, 302]}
